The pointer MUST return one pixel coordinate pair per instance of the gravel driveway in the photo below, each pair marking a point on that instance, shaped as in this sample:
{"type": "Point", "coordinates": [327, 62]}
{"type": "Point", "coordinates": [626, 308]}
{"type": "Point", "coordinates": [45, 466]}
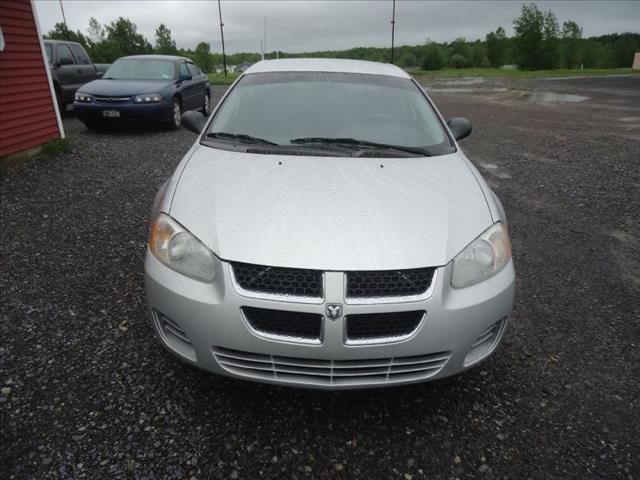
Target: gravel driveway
{"type": "Point", "coordinates": [88, 393]}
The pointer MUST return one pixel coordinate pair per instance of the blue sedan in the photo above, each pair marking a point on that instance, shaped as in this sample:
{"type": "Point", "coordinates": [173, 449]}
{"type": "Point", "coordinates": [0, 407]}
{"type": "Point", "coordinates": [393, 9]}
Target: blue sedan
{"type": "Point", "coordinates": [144, 88]}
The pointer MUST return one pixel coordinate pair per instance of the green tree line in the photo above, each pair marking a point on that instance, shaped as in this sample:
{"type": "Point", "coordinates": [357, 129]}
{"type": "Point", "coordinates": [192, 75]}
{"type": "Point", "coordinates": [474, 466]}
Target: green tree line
{"type": "Point", "coordinates": [539, 42]}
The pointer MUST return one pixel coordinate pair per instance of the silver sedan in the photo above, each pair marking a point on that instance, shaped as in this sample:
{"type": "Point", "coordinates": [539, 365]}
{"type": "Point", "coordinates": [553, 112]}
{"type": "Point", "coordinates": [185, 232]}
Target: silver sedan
{"type": "Point", "coordinates": [325, 230]}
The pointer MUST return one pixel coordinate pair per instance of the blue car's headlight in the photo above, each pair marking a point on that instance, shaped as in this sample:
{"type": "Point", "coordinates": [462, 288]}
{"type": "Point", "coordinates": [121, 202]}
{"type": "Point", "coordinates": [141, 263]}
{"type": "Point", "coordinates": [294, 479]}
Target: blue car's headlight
{"type": "Point", "coordinates": [148, 98]}
{"type": "Point", "coordinates": [82, 97]}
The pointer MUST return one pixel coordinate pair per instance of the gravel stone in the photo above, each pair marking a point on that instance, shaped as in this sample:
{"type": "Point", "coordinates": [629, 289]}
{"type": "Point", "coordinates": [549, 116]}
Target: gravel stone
{"type": "Point", "coordinates": [72, 242]}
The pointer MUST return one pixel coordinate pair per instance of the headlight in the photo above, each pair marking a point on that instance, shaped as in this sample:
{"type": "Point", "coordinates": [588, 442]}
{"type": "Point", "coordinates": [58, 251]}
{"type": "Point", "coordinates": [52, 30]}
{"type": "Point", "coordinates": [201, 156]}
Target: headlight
{"type": "Point", "coordinates": [482, 258]}
{"type": "Point", "coordinates": [178, 249]}
{"type": "Point", "coordinates": [82, 97]}
{"type": "Point", "coordinates": [148, 98]}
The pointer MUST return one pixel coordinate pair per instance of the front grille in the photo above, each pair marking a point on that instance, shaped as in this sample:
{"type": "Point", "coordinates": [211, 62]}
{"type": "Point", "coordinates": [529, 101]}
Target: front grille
{"type": "Point", "coordinates": [381, 327]}
{"type": "Point", "coordinates": [111, 99]}
{"type": "Point", "coordinates": [284, 324]}
{"type": "Point", "coordinates": [330, 372]}
{"type": "Point", "coordinates": [285, 282]}
{"type": "Point", "coordinates": [389, 283]}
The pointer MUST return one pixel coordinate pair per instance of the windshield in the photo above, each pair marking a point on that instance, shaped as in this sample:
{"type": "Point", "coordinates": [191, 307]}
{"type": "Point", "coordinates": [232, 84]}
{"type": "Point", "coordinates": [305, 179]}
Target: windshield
{"type": "Point", "coordinates": [142, 69]}
{"type": "Point", "coordinates": [293, 108]}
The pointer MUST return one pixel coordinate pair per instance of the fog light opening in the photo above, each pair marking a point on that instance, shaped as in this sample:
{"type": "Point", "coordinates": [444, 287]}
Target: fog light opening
{"type": "Point", "coordinates": [173, 336]}
{"type": "Point", "coordinates": [486, 342]}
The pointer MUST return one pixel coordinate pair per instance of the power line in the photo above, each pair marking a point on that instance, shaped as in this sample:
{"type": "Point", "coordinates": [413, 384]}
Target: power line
{"type": "Point", "coordinates": [64, 19]}
{"type": "Point", "coordinates": [393, 28]}
{"type": "Point", "coordinates": [224, 57]}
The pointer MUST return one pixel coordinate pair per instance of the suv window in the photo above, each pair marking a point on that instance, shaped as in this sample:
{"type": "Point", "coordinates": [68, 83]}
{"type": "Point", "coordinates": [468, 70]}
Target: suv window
{"type": "Point", "coordinates": [80, 54]}
{"type": "Point", "coordinates": [63, 51]}
{"type": "Point", "coordinates": [49, 50]}
{"type": "Point", "coordinates": [183, 69]}
{"type": "Point", "coordinates": [193, 70]}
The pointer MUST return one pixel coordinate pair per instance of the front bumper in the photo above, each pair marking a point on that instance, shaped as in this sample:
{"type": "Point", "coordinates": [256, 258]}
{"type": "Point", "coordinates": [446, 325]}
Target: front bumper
{"type": "Point", "coordinates": [212, 333]}
{"type": "Point", "coordinates": [93, 112]}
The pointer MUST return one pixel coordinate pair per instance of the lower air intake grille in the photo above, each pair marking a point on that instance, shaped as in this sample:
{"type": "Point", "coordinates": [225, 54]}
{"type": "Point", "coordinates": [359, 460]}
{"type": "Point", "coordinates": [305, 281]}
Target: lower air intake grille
{"type": "Point", "coordinates": [288, 325]}
{"type": "Point", "coordinates": [291, 282]}
{"type": "Point", "coordinates": [330, 372]}
{"type": "Point", "coordinates": [388, 283]}
{"type": "Point", "coordinates": [382, 327]}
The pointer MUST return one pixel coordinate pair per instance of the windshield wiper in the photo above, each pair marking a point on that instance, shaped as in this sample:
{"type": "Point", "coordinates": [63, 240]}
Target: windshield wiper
{"type": "Point", "coordinates": [355, 143]}
{"type": "Point", "coordinates": [240, 136]}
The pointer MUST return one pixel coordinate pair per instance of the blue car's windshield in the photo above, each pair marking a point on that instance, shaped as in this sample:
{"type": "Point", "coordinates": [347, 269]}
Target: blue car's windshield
{"type": "Point", "coordinates": [141, 69]}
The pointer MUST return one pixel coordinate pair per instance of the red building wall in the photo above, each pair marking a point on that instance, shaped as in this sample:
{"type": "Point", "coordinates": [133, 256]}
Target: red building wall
{"type": "Point", "coordinates": [28, 115]}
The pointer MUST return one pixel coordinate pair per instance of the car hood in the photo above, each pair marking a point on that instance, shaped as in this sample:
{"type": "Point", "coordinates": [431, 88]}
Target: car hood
{"type": "Point", "coordinates": [330, 213]}
{"type": "Point", "coordinates": [112, 88]}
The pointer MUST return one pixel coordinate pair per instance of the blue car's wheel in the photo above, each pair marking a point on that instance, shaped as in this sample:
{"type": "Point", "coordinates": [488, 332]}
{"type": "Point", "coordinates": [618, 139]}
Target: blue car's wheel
{"type": "Point", "coordinates": [176, 114]}
{"type": "Point", "coordinates": [206, 104]}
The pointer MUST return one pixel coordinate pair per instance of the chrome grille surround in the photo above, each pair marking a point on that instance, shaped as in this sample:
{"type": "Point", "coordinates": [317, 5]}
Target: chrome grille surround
{"type": "Point", "coordinates": [388, 283]}
{"type": "Point", "coordinates": [244, 287]}
{"type": "Point", "coordinates": [102, 99]}
{"type": "Point", "coordinates": [330, 372]}
{"type": "Point", "coordinates": [297, 327]}
{"type": "Point", "coordinates": [416, 297]}
{"type": "Point", "coordinates": [381, 328]}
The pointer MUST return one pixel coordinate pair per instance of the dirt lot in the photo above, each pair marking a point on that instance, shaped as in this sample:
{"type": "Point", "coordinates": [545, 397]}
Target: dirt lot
{"type": "Point", "coordinates": [88, 393]}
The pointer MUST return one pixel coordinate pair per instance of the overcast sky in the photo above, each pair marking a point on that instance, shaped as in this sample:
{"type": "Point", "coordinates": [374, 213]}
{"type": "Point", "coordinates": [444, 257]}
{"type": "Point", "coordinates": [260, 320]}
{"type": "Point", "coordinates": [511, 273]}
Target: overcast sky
{"type": "Point", "coordinates": [298, 26]}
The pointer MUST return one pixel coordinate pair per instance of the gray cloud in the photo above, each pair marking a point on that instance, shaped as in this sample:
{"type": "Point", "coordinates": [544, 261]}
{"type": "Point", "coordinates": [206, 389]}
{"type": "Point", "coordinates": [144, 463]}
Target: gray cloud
{"type": "Point", "coordinates": [297, 26]}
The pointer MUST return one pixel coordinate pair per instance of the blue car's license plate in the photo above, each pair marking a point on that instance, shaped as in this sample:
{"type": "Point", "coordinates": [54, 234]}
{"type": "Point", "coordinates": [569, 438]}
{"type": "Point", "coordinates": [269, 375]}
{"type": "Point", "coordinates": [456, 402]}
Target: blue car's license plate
{"type": "Point", "coordinates": [111, 113]}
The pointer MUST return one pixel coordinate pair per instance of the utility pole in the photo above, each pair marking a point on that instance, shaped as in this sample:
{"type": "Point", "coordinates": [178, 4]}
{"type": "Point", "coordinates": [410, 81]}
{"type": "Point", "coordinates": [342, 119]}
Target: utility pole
{"type": "Point", "coordinates": [224, 57]}
{"type": "Point", "coordinates": [64, 19]}
{"type": "Point", "coordinates": [265, 36]}
{"type": "Point", "coordinates": [393, 28]}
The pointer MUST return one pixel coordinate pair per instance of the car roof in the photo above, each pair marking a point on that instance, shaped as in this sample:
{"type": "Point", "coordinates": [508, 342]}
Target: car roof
{"type": "Point", "coordinates": [49, 40]}
{"type": "Point", "coordinates": [175, 58]}
{"type": "Point", "coordinates": [327, 65]}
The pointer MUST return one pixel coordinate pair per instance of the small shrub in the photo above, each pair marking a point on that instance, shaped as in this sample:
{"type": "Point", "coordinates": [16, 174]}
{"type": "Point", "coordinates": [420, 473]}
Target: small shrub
{"type": "Point", "coordinates": [433, 57]}
{"type": "Point", "coordinates": [55, 147]}
{"type": "Point", "coordinates": [457, 61]}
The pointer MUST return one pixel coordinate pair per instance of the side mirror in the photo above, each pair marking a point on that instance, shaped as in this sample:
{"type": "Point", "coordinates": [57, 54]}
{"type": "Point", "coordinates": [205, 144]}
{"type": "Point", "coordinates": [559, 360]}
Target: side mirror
{"type": "Point", "coordinates": [460, 127]}
{"type": "Point", "coordinates": [193, 121]}
{"type": "Point", "coordinates": [184, 78]}
{"type": "Point", "coordinates": [65, 61]}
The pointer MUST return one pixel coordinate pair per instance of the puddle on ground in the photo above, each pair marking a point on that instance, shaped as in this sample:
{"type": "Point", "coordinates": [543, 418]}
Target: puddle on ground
{"type": "Point", "coordinates": [465, 81]}
{"type": "Point", "coordinates": [495, 170]}
{"type": "Point", "coordinates": [550, 97]}
{"type": "Point", "coordinates": [467, 90]}
{"type": "Point", "coordinates": [629, 119]}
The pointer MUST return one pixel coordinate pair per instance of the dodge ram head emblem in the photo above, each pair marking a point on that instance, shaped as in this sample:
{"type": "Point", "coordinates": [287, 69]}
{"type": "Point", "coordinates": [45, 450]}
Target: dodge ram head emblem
{"type": "Point", "coordinates": [334, 310]}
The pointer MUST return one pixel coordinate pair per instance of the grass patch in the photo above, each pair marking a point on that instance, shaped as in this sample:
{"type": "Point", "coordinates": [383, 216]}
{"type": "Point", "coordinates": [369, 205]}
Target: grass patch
{"type": "Point", "coordinates": [48, 150]}
{"type": "Point", "coordinates": [220, 79]}
{"type": "Point", "coordinates": [55, 147]}
{"type": "Point", "coordinates": [500, 73]}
